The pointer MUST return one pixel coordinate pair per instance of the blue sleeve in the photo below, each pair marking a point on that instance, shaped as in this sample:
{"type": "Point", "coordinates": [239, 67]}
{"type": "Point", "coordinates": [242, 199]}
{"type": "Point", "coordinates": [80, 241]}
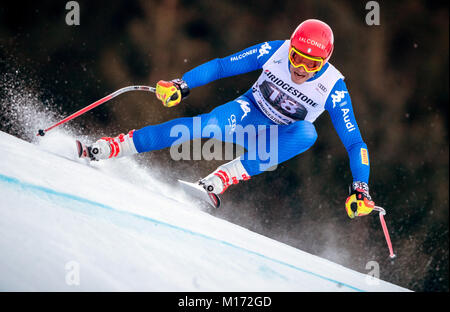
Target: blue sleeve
{"type": "Point", "coordinates": [242, 62]}
{"type": "Point", "coordinates": [339, 105]}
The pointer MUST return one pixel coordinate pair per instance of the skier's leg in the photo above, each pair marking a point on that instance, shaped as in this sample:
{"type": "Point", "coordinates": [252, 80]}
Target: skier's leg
{"type": "Point", "coordinates": [225, 118]}
{"type": "Point", "coordinates": [154, 137]}
{"type": "Point", "coordinates": [149, 138]}
{"type": "Point", "coordinates": [273, 145]}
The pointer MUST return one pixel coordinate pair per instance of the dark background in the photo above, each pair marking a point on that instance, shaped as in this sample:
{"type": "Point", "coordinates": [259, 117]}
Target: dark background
{"type": "Point", "coordinates": [397, 75]}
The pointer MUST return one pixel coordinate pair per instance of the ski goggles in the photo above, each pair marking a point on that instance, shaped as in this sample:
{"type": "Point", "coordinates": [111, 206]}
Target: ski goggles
{"type": "Point", "coordinates": [309, 63]}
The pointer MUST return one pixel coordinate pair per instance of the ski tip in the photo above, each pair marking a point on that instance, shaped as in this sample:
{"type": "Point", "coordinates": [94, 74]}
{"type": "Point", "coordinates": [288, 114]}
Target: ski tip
{"type": "Point", "coordinates": [215, 200]}
{"type": "Point", "coordinates": [83, 150]}
{"type": "Point", "coordinates": [198, 191]}
{"type": "Point", "coordinates": [79, 148]}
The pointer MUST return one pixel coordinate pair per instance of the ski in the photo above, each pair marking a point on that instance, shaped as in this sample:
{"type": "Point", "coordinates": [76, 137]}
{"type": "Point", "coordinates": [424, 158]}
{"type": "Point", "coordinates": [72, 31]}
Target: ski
{"type": "Point", "coordinates": [199, 192]}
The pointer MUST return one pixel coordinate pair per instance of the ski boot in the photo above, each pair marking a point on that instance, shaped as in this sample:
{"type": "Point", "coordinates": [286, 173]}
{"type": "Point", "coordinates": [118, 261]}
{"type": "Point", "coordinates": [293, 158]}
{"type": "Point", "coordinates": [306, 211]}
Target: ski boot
{"type": "Point", "coordinates": [105, 148]}
{"type": "Point", "coordinates": [224, 176]}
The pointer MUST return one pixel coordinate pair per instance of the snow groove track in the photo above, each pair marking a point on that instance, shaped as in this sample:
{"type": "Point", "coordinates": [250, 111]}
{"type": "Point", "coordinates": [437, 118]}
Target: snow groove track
{"type": "Point", "coordinates": [53, 211]}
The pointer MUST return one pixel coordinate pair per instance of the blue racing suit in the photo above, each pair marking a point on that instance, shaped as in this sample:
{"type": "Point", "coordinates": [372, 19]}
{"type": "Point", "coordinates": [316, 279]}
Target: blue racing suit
{"type": "Point", "coordinates": [273, 103]}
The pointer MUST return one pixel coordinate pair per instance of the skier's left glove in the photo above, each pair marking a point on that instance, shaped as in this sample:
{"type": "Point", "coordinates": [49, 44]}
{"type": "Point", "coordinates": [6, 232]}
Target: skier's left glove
{"type": "Point", "coordinates": [171, 92]}
{"type": "Point", "coordinates": [359, 203]}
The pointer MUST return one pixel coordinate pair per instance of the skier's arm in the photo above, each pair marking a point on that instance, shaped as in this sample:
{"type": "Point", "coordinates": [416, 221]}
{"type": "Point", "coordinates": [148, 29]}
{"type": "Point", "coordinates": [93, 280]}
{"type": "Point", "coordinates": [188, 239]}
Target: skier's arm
{"type": "Point", "coordinates": [242, 62]}
{"type": "Point", "coordinates": [172, 92]}
{"type": "Point", "coordinates": [340, 108]}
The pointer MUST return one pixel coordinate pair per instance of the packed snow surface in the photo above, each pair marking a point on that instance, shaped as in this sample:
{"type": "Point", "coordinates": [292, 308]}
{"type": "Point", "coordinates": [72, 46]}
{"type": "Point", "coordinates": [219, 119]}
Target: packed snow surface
{"type": "Point", "coordinates": [67, 225]}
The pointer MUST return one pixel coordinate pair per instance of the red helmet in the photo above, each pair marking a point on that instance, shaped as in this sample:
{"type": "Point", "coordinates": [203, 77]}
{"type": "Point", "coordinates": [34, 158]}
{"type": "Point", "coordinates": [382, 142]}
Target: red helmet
{"type": "Point", "coordinates": [314, 38]}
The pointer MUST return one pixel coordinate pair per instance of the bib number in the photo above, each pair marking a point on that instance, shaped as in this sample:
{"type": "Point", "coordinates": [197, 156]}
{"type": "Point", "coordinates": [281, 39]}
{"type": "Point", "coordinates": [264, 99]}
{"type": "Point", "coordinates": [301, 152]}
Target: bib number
{"type": "Point", "coordinates": [282, 102]}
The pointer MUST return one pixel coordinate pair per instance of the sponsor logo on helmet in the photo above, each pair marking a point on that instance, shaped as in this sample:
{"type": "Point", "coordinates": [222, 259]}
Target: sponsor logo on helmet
{"type": "Point", "coordinates": [264, 49]}
{"type": "Point", "coordinates": [287, 87]}
{"type": "Point", "coordinates": [312, 42]}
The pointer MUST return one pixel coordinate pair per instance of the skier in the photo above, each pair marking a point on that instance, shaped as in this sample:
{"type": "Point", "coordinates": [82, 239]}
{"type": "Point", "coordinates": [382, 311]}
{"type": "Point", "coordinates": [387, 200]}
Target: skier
{"type": "Point", "coordinates": [296, 85]}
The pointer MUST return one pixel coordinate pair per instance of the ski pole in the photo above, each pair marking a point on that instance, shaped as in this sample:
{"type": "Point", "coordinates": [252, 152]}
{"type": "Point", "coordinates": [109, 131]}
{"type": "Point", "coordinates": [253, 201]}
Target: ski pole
{"type": "Point", "coordinates": [42, 132]}
{"type": "Point", "coordinates": [382, 213]}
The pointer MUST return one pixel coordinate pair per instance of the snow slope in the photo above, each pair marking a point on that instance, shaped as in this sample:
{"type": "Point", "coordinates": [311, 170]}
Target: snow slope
{"type": "Point", "coordinates": [116, 229]}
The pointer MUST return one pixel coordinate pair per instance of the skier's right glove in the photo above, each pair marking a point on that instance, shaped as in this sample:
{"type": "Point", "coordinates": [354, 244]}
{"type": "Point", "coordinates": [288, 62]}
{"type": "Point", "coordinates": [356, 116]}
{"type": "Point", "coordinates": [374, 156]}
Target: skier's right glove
{"type": "Point", "coordinates": [359, 203]}
{"type": "Point", "coordinates": [171, 92]}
